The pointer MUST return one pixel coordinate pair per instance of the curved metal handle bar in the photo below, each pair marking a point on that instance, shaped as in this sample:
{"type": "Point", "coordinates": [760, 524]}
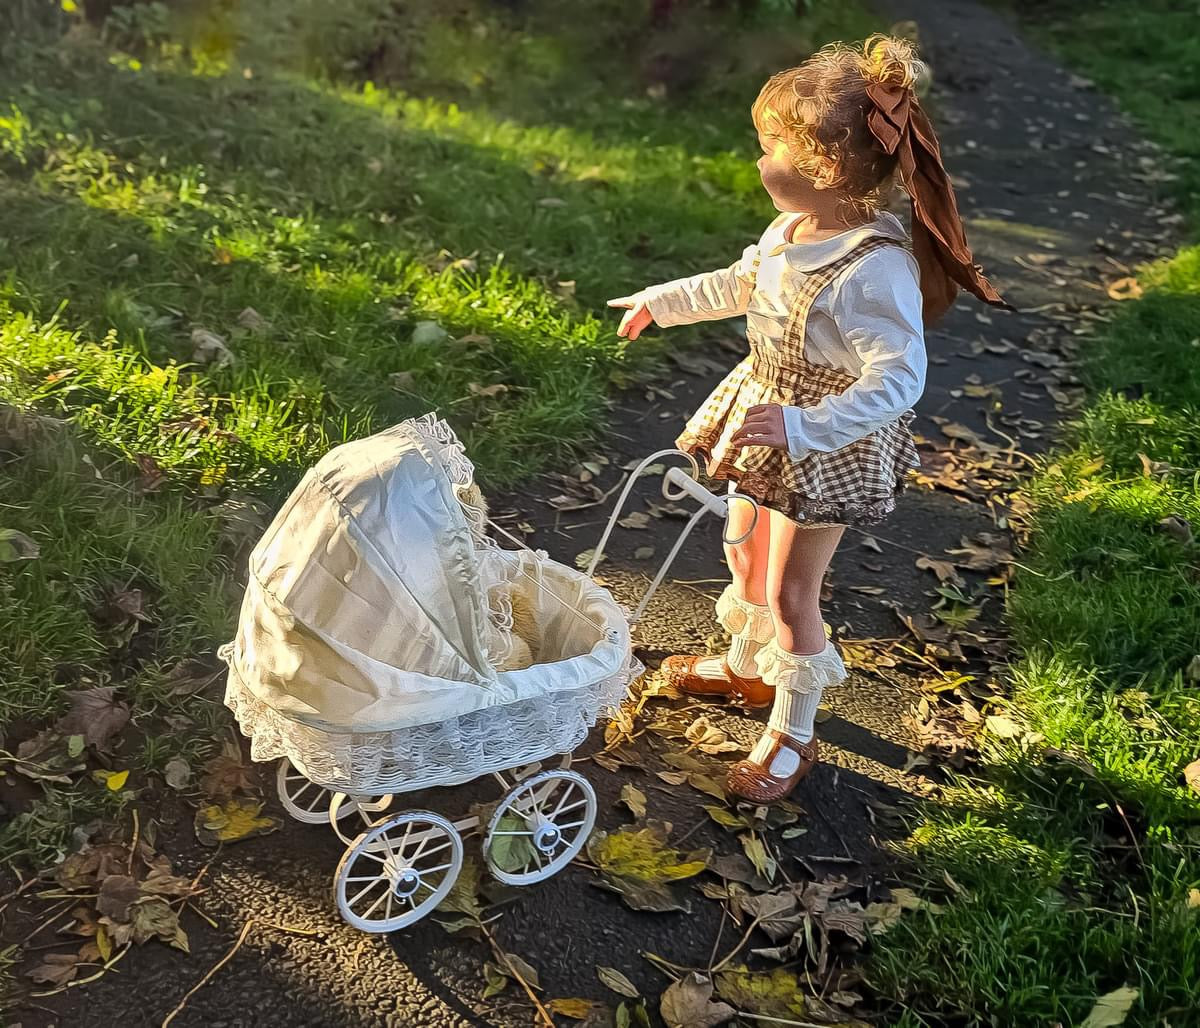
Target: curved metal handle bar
{"type": "Point", "coordinates": [599, 551]}
{"type": "Point", "coordinates": [753, 524]}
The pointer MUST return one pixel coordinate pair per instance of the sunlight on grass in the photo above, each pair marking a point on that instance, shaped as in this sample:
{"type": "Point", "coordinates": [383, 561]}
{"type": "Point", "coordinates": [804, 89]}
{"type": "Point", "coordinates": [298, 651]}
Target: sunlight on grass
{"type": "Point", "coordinates": [1072, 861]}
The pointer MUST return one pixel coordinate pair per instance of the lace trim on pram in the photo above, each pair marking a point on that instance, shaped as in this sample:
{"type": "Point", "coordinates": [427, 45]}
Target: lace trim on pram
{"type": "Point", "coordinates": [460, 469]}
{"type": "Point", "coordinates": [442, 753]}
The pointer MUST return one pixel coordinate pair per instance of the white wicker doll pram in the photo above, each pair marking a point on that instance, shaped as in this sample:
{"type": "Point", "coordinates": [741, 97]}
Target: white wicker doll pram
{"type": "Point", "coordinates": [370, 660]}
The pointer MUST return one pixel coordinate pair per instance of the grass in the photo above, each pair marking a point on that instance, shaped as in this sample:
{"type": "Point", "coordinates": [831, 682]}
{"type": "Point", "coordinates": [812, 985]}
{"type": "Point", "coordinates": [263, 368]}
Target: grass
{"type": "Point", "coordinates": [1070, 865]}
{"type": "Point", "coordinates": [311, 183]}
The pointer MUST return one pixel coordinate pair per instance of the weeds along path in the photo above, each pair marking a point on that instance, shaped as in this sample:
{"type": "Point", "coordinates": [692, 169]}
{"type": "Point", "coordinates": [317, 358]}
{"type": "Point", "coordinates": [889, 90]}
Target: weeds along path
{"type": "Point", "coordinates": [1059, 199]}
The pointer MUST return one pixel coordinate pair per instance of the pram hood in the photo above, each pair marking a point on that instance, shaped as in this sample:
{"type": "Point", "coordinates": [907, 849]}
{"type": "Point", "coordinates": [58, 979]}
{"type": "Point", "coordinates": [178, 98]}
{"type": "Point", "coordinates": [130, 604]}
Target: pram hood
{"type": "Point", "coordinates": [367, 608]}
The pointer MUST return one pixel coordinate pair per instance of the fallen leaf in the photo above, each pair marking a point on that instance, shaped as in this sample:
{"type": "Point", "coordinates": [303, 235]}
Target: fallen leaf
{"type": "Point", "coordinates": [1191, 775]}
{"type": "Point", "coordinates": [1127, 288]}
{"type": "Point", "coordinates": [428, 333]}
{"type": "Point", "coordinates": [707, 738]}
{"type": "Point", "coordinates": [1177, 528]}
{"type": "Point", "coordinates": [15, 546]}
{"type": "Point", "coordinates": [944, 569]}
{"type": "Point", "coordinates": [634, 799]}
{"type": "Point", "coordinates": [177, 774]}
{"type": "Point", "coordinates": [757, 853]}
{"type": "Point", "coordinates": [210, 348]}
{"type": "Point", "coordinates": [777, 993]}
{"type": "Point", "coordinates": [55, 969]}
{"type": "Point", "coordinates": [401, 381]}
{"type": "Point", "coordinates": [641, 867]}
{"type": "Point", "coordinates": [235, 820]}
{"type": "Point", "coordinates": [488, 391]}
{"type": "Point", "coordinates": [688, 1003]}
{"type": "Point", "coordinates": [707, 784]}
{"type": "Point", "coordinates": [113, 780]}
{"type": "Point", "coordinates": [117, 893]}
{"type": "Point", "coordinates": [95, 714]}
{"type": "Point", "coordinates": [636, 519]}
{"type": "Point", "coordinates": [613, 979]}
{"type": "Point", "coordinates": [152, 917]}
{"type": "Point", "coordinates": [643, 553]}
{"type": "Point", "coordinates": [673, 777]}
{"type": "Point", "coordinates": [1002, 727]}
{"type": "Point", "coordinates": [1112, 1008]}
{"type": "Point", "coordinates": [520, 967]}
{"type": "Point", "coordinates": [584, 559]}
{"type": "Point", "coordinates": [226, 774]}
{"type": "Point", "coordinates": [576, 1009]}
{"type": "Point", "coordinates": [252, 321]}
{"type": "Point", "coordinates": [511, 852]}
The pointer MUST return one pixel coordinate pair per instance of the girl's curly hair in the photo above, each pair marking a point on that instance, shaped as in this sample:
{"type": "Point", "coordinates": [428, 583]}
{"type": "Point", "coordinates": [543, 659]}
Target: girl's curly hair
{"type": "Point", "coordinates": [819, 110]}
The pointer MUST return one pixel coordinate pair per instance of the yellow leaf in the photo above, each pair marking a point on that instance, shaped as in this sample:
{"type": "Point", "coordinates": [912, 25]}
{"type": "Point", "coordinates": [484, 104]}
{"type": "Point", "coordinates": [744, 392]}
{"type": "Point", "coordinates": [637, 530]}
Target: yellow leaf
{"type": "Point", "coordinates": [1125, 289]}
{"type": "Point", "coordinates": [1193, 901]}
{"type": "Point", "coordinates": [214, 475]}
{"type": "Point", "coordinates": [576, 1009]}
{"type": "Point", "coordinates": [114, 780]}
{"type": "Point", "coordinates": [236, 819]}
{"type": "Point", "coordinates": [103, 942]}
{"type": "Point", "coordinates": [1112, 1008]}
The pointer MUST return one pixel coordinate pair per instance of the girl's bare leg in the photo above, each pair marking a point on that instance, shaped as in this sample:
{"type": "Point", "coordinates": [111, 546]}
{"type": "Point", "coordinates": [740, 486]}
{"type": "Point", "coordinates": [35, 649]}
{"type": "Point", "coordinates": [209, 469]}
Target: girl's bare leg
{"type": "Point", "coordinates": [797, 561]}
{"type": "Point", "coordinates": [748, 563]}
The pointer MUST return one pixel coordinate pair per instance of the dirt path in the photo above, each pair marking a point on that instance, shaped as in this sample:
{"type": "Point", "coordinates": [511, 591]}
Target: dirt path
{"type": "Point", "coordinates": [1047, 169]}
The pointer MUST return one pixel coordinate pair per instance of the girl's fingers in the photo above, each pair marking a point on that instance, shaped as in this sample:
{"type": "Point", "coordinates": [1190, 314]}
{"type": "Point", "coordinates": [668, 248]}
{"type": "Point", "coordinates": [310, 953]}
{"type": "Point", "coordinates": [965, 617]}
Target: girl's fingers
{"type": "Point", "coordinates": [622, 301]}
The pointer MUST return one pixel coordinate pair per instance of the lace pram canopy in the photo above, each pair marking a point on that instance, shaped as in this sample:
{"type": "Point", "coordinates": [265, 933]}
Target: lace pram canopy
{"type": "Point", "coordinates": [376, 614]}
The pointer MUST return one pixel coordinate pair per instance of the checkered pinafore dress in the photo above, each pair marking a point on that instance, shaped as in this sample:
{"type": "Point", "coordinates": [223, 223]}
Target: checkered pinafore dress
{"type": "Point", "coordinates": [857, 484]}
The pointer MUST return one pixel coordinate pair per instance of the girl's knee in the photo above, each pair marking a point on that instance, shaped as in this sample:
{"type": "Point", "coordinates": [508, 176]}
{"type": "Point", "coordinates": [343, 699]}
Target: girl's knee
{"type": "Point", "coordinates": [794, 600]}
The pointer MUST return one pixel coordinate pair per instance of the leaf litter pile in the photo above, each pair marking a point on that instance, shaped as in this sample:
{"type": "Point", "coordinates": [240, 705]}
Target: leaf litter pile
{"type": "Point", "coordinates": [84, 915]}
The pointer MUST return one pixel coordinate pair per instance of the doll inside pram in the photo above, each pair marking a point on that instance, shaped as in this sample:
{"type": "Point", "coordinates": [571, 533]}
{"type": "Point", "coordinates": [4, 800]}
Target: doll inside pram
{"type": "Point", "coordinates": [387, 644]}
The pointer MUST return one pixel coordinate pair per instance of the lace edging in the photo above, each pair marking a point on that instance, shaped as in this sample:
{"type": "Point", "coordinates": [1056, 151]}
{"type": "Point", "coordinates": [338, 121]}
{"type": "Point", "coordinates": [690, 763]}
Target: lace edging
{"type": "Point", "coordinates": [442, 753]}
{"type": "Point", "coordinates": [741, 617]}
{"type": "Point", "coordinates": [800, 673]}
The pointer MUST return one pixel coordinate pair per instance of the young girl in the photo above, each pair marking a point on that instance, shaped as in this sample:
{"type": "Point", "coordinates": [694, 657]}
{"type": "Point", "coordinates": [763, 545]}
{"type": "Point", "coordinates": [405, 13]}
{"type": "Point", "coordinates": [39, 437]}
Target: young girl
{"type": "Point", "coordinates": [814, 423]}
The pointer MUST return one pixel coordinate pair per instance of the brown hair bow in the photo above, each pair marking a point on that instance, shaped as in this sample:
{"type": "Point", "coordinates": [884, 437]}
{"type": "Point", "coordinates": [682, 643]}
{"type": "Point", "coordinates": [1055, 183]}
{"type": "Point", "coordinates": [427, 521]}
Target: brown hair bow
{"type": "Point", "coordinates": [939, 245]}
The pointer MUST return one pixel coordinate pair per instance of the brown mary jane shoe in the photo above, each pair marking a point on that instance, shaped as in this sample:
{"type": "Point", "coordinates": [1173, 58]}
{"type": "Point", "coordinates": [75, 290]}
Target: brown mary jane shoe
{"type": "Point", "coordinates": [680, 671]}
{"type": "Point", "coordinates": [752, 781]}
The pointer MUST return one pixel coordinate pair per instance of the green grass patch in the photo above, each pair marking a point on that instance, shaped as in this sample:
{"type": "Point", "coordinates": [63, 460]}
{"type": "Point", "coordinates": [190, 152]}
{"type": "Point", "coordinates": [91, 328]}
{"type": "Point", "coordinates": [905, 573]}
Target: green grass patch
{"type": "Point", "coordinates": [1070, 866]}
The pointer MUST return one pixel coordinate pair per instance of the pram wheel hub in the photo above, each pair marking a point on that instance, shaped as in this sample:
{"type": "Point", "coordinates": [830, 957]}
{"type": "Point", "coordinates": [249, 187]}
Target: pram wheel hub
{"type": "Point", "coordinates": [398, 871]}
{"type": "Point", "coordinates": [539, 827]}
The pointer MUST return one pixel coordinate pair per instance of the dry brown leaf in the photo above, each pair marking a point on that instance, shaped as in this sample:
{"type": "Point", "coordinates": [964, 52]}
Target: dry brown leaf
{"type": "Point", "coordinates": [688, 1003]}
{"type": "Point", "coordinates": [1127, 288]}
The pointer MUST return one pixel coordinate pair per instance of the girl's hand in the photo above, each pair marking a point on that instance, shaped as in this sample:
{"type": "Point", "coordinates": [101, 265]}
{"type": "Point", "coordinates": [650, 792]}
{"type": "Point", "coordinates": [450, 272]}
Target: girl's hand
{"type": "Point", "coordinates": [636, 319]}
{"type": "Point", "coordinates": [763, 426]}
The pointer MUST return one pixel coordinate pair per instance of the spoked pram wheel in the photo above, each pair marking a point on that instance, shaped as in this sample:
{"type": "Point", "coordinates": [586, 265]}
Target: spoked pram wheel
{"type": "Point", "coordinates": [539, 827]}
{"type": "Point", "coordinates": [304, 800]}
{"type": "Point", "coordinates": [397, 872]}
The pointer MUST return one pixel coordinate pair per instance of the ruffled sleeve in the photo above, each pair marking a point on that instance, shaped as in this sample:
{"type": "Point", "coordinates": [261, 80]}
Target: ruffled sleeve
{"type": "Point", "coordinates": [706, 297]}
{"type": "Point", "coordinates": [876, 305]}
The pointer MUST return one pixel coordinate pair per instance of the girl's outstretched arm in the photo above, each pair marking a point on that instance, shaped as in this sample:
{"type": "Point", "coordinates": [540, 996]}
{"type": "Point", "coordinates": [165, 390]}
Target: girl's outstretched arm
{"type": "Point", "coordinates": [710, 296]}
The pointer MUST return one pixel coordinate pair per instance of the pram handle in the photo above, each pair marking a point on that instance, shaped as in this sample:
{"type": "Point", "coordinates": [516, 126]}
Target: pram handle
{"type": "Point", "coordinates": [687, 486]}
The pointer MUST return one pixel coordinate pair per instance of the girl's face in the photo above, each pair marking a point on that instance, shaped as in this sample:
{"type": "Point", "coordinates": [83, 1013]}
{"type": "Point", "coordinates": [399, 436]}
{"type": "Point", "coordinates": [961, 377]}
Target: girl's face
{"type": "Point", "coordinates": [787, 188]}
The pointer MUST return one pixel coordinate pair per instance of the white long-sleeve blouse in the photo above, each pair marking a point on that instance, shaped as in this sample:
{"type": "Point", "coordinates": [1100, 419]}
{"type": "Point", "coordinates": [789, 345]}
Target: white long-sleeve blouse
{"type": "Point", "coordinates": [866, 323]}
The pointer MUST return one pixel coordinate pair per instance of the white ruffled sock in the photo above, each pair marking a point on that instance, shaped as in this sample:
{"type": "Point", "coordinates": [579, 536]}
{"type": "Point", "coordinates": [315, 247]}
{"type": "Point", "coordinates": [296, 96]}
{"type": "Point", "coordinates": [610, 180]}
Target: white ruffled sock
{"type": "Point", "coordinates": [800, 680]}
{"type": "Point", "coordinates": [750, 627]}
